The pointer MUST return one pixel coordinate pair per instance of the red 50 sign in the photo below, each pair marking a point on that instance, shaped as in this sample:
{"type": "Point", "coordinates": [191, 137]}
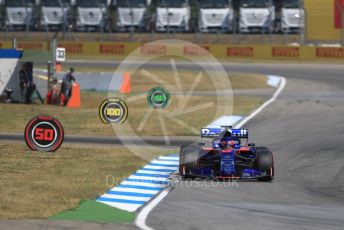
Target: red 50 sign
{"type": "Point", "coordinates": [44, 133]}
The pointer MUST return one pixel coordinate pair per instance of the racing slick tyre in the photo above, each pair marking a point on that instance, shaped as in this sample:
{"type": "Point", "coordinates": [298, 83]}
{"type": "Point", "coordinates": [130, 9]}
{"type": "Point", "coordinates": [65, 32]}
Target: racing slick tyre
{"type": "Point", "coordinates": [265, 162]}
{"type": "Point", "coordinates": [188, 158]}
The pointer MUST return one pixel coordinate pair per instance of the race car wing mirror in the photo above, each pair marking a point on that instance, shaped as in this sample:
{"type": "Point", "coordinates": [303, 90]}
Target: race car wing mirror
{"type": "Point", "coordinates": [201, 143]}
{"type": "Point", "coordinates": [251, 144]}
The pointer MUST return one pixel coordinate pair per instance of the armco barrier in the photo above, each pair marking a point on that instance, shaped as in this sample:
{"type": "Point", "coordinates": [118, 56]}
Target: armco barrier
{"type": "Point", "coordinates": [222, 52]}
{"type": "Point", "coordinates": [261, 52]}
{"type": "Point", "coordinates": [25, 45]}
{"type": "Point", "coordinates": [78, 48]}
{"type": "Point", "coordinates": [6, 45]}
{"type": "Point", "coordinates": [32, 45]}
{"type": "Point", "coordinates": [238, 52]}
{"type": "Point", "coordinates": [329, 53]}
{"type": "Point", "coordinates": [98, 48]}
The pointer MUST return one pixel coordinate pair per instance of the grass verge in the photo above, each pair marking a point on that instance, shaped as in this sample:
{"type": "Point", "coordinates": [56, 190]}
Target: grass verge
{"type": "Point", "coordinates": [85, 120]}
{"type": "Point", "coordinates": [39, 185]}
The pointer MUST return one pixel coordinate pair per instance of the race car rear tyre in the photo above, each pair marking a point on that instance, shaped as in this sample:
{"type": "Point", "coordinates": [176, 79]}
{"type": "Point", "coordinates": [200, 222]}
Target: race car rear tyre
{"type": "Point", "coordinates": [265, 162]}
{"type": "Point", "coordinates": [188, 158]}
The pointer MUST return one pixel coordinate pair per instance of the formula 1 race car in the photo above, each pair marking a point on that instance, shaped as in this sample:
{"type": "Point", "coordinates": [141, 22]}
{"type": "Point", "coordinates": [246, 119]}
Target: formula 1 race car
{"type": "Point", "coordinates": [229, 156]}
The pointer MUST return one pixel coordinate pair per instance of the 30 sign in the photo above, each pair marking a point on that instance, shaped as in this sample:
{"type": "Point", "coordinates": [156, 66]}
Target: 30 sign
{"type": "Point", "coordinates": [44, 133]}
{"type": "Point", "coordinates": [60, 54]}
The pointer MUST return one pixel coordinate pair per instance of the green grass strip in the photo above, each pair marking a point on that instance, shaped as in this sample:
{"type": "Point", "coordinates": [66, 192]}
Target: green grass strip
{"type": "Point", "coordinates": [93, 211]}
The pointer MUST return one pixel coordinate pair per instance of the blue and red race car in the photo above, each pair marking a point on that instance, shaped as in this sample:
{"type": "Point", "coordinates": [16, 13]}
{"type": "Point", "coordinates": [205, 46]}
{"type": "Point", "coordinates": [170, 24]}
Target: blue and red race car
{"type": "Point", "coordinates": [229, 156]}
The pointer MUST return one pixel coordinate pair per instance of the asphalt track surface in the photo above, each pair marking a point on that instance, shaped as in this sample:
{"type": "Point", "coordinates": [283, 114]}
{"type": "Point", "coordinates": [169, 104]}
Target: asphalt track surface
{"type": "Point", "coordinates": [304, 129]}
{"type": "Point", "coordinates": [90, 140]}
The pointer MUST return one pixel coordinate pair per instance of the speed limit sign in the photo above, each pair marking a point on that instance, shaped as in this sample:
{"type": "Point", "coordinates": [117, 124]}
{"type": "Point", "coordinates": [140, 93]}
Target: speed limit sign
{"type": "Point", "coordinates": [44, 133]}
{"type": "Point", "coordinates": [113, 110]}
{"type": "Point", "coordinates": [60, 54]}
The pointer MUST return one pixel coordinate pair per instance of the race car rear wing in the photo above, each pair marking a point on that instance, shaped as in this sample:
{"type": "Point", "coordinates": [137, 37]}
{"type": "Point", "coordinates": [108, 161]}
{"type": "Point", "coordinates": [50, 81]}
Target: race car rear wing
{"type": "Point", "coordinates": [216, 132]}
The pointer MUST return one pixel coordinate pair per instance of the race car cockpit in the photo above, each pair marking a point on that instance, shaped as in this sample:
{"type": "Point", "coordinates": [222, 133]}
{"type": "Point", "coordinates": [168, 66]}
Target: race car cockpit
{"type": "Point", "coordinates": [226, 140]}
{"type": "Point", "coordinates": [226, 143]}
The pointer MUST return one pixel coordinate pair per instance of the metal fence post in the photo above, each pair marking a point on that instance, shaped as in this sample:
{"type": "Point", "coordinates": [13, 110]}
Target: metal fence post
{"type": "Point", "coordinates": [302, 23]}
{"type": "Point", "coordinates": [49, 74]}
{"type": "Point", "coordinates": [304, 29]}
{"type": "Point", "coordinates": [342, 26]}
{"type": "Point", "coordinates": [152, 29]}
{"type": "Point", "coordinates": [28, 21]}
{"type": "Point", "coordinates": [53, 51]}
{"type": "Point", "coordinates": [14, 43]}
{"type": "Point", "coordinates": [271, 26]}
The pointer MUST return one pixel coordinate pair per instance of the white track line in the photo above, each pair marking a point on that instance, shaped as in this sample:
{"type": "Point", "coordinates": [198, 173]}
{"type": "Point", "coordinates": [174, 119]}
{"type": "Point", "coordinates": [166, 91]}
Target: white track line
{"type": "Point", "coordinates": [143, 214]}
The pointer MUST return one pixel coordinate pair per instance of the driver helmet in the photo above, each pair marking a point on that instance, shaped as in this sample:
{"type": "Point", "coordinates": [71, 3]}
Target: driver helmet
{"type": "Point", "coordinates": [223, 144]}
{"type": "Point", "coordinates": [231, 143]}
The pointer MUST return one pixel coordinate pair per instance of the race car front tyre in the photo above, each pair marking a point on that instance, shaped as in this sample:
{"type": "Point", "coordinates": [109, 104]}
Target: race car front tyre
{"type": "Point", "coordinates": [265, 162]}
{"type": "Point", "coordinates": [188, 158]}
